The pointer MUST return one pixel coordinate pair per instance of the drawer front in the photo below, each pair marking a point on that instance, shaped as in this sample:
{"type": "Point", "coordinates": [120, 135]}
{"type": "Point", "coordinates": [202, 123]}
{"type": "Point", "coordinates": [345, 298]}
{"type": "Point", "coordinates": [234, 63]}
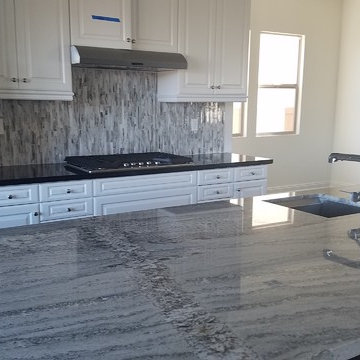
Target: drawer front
{"type": "Point", "coordinates": [66, 209]}
{"type": "Point", "coordinates": [135, 184]}
{"type": "Point", "coordinates": [216, 176]}
{"type": "Point", "coordinates": [250, 173]}
{"type": "Point", "coordinates": [250, 188]}
{"type": "Point", "coordinates": [19, 215]}
{"type": "Point", "coordinates": [215, 192]}
{"type": "Point", "coordinates": [65, 190]}
{"type": "Point", "coordinates": [20, 194]}
{"type": "Point", "coordinates": [105, 205]}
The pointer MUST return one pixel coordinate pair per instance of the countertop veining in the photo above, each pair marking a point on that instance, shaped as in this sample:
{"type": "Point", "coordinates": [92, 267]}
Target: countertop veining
{"type": "Point", "coordinates": [243, 279]}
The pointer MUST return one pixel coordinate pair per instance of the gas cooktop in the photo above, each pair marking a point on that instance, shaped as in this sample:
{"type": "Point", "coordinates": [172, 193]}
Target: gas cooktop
{"type": "Point", "coordinates": [93, 164]}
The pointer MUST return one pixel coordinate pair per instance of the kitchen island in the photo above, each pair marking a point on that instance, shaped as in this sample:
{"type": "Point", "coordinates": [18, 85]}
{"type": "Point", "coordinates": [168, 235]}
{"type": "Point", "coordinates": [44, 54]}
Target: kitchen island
{"type": "Point", "coordinates": [241, 279]}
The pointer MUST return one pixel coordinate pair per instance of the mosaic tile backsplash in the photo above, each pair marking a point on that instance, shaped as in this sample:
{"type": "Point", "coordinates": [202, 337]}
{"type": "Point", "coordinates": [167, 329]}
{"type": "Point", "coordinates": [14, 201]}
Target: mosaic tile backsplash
{"type": "Point", "coordinates": [113, 112]}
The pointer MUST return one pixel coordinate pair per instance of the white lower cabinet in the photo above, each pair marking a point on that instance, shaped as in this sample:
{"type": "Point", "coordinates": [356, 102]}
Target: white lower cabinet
{"type": "Point", "coordinates": [37, 203]}
{"type": "Point", "coordinates": [19, 215]}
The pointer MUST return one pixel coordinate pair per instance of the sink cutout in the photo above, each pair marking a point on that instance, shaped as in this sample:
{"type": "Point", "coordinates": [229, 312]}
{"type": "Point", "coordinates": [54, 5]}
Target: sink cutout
{"type": "Point", "coordinates": [319, 204]}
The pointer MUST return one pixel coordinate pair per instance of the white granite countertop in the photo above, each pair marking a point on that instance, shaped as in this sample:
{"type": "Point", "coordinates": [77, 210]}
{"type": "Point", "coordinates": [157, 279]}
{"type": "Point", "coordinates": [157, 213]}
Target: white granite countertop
{"type": "Point", "coordinates": [239, 280]}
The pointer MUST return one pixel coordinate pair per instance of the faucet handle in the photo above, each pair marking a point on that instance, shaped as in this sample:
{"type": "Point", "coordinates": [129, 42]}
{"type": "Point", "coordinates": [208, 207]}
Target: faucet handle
{"type": "Point", "coordinates": [354, 196]}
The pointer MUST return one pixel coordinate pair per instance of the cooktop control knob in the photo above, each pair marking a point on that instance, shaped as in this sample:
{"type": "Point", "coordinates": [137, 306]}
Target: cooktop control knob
{"type": "Point", "coordinates": [157, 162]}
{"type": "Point", "coordinates": [126, 164]}
{"type": "Point", "coordinates": [133, 163]}
{"type": "Point", "coordinates": [148, 163]}
{"type": "Point", "coordinates": [140, 163]}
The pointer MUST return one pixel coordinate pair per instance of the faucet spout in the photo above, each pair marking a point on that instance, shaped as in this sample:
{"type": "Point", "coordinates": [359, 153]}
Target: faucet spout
{"type": "Point", "coordinates": [333, 157]}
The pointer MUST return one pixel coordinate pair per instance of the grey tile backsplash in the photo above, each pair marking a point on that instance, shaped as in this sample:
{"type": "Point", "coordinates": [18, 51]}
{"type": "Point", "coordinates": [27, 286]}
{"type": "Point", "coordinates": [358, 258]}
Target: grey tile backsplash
{"type": "Point", "coordinates": [114, 111]}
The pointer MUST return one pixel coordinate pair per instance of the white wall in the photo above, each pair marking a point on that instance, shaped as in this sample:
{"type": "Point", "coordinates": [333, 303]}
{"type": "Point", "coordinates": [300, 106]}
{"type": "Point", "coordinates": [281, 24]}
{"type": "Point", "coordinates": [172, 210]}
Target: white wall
{"type": "Point", "coordinates": [299, 160]}
{"type": "Point", "coordinates": [347, 126]}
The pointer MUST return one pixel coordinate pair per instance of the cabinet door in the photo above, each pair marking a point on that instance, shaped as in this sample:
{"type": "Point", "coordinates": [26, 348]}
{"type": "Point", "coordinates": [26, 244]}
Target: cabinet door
{"type": "Point", "coordinates": [197, 43]}
{"type": "Point", "coordinates": [8, 59]}
{"type": "Point", "coordinates": [246, 189]}
{"type": "Point", "coordinates": [101, 23]}
{"type": "Point", "coordinates": [155, 25]}
{"type": "Point", "coordinates": [11, 216]}
{"type": "Point", "coordinates": [232, 47]}
{"type": "Point", "coordinates": [43, 45]}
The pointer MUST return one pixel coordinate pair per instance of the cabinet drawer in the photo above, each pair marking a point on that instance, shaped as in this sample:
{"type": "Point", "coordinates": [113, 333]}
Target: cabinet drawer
{"type": "Point", "coordinates": [20, 194]}
{"type": "Point", "coordinates": [105, 205]}
{"type": "Point", "coordinates": [141, 183]}
{"type": "Point", "coordinates": [66, 209]}
{"type": "Point", "coordinates": [215, 192]}
{"type": "Point", "coordinates": [216, 176]}
{"type": "Point", "coordinates": [250, 173]}
{"type": "Point", "coordinates": [65, 190]}
{"type": "Point", "coordinates": [250, 188]}
{"type": "Point", "coordinates": [18, 215]}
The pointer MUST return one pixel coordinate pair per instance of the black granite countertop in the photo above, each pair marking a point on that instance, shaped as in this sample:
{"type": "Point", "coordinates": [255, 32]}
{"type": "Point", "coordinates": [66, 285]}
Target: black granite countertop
{"type": "Point", "coordinates": [244, 279]}
{"type": "Point", "coordinates": [28, 174]}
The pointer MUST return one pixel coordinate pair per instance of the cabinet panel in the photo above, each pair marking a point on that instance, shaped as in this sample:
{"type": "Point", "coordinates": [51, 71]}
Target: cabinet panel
{"type": "Point", "coordinates": [215, 176]}
{"type": "Point", "coordinates": [65, 190]}
{"type": "Point", "coordinates": [250, 173]}
{"type": "Point", "coordinates": [155, 25]}
{"type": "Point", "coordinates": [232, 47]}
{"type": "Point", "coordinates": [105, 205]}
{"type": "Point", "coordinates": [101, 23]}
{"type": "Point", "coordinates": [19, 215]}
{"type": "Point", "coordinates": [8, 56]}
{"type": "Point", "coordinates": [246, 189]}
{"type": "Point", "coordinates": [142, 183]}
{"type": "Point", "coordinates": [19, 194]}
{"type": "Point", "coordinates": [215, 192]}
{"type": "Point", "coordinates": [66, 209]}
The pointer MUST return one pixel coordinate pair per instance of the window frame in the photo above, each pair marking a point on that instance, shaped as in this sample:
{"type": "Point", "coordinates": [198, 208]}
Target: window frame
{"type": "Point", "coordinates": [297, 86]}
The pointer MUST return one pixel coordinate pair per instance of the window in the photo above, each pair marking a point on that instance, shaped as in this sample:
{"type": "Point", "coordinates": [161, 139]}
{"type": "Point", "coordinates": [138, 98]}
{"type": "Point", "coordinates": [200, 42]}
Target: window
{"type": "Point", "coordinates": [238, 120]}
{"type": "Point", "coordinates": [279, 84]}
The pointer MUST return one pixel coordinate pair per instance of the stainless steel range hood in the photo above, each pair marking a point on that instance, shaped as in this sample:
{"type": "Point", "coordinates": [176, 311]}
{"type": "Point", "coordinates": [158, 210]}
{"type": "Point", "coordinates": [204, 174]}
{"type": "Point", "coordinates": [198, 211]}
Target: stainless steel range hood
{"type": "Point", "coordinates": [104, 58]}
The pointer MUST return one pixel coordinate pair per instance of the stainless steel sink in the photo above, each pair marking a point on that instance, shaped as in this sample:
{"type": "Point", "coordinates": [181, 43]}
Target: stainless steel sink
{"type": "Point", "coordinates": [319, 204]}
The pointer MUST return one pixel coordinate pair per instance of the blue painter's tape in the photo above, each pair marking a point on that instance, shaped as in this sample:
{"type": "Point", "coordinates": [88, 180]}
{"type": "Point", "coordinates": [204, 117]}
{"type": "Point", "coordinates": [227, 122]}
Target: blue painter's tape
{"type": "Point", "coordinates": [105, 18]}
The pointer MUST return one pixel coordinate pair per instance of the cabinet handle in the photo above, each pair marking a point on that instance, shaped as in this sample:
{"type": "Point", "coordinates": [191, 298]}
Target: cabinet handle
{"type": "Point", "coordinates": [238, 190]}
{"type": "Point", "coordinates": [133, 41]}
{"type": "Point", "coordinates": [212, 87]}
{"type": "Point", "coordinates": [14, 79]}
{"type": "Point", "coordinates": [11, 197]}
{"type": "Point", "coordinates": [25, 80]}
{"type": "Point", "coordinates": [36, 213]}
{"type": "Point", "coordinates": [218, 87]}
{"type": "Point", "coordinates": [253, 173]}
{"type": "Point", "coordinates": [68, 191]}
{"type": "Point", "coordinates": [69, 209]}
{"type": "Point", "coordinates": [128, 39]}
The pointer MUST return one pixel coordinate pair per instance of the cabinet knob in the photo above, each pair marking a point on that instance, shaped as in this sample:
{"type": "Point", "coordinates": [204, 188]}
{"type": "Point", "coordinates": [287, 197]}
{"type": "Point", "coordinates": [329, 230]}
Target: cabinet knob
{"type": "Point", "coordinates": [218, 87]}
{"type": "Point", "coordinates": [68, 191]}
{"type": "Point", "coordinates": [253, 173]}
{"type": "Point", "coordinates": [218, 177]}
{"type": "Point", "coordinates": [217, 192]}
{"type": "Point", "coordinates": [238, 190]}
{"type": "Point", "coordinates": [14, 79]}
{"type": "Point", "coordinates": [128, 39]}
{"type": "Point", "coordinates": [36, 213]}
{"type": "Point", "coordinates": [25, 80]}
{"type": "Point", "coordinates": [69, 209]}
{"type": "Point", "coordinates": [11, 197]}
{"type": "Point", "coordinates": [212, 87]}
{"type": "Point", "coordinates": [133, 41]}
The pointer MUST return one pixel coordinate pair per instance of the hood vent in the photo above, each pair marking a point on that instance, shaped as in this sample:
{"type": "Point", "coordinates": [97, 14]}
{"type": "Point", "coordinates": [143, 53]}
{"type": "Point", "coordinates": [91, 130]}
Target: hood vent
{"type": "Point", "coordinates": [104, 58]}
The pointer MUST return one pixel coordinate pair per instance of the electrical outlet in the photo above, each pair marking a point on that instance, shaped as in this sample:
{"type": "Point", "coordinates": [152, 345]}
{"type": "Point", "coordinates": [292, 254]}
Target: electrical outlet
{"type": "Point", "coordinates": [194, 124]}
{"type": "Point", "coordinates": [2, 132]}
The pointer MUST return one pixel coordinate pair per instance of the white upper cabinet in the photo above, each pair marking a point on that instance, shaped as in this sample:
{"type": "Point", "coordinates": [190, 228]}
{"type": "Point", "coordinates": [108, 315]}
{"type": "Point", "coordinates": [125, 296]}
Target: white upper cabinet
{"type": "Point", "coordinates": [125, 24]}
{"type": "Point", "coordinates": [213, 36]}
{"type": "Point", "coordinates": [104, 23]}
{"type": "Point", "coordinates": [35, 50]}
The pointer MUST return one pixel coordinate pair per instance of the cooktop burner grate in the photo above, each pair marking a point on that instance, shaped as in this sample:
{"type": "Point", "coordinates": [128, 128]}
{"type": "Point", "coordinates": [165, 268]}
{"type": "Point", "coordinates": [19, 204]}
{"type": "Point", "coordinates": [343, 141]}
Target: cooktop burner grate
{"type": "Point", "coordinates": [121, 162]}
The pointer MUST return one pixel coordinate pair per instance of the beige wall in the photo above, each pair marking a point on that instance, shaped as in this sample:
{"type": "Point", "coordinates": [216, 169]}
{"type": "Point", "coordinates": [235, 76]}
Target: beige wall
{"type": "Point", "coordinates": [347, 125]}
{"type": "Point", "coordinates": [299, 160]}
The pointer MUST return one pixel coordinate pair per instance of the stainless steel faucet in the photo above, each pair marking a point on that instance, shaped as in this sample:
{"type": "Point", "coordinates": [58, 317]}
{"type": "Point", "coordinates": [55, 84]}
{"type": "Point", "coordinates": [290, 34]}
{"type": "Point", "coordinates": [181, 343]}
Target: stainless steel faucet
{"type": "Point", "coordinates": [343, 157]}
